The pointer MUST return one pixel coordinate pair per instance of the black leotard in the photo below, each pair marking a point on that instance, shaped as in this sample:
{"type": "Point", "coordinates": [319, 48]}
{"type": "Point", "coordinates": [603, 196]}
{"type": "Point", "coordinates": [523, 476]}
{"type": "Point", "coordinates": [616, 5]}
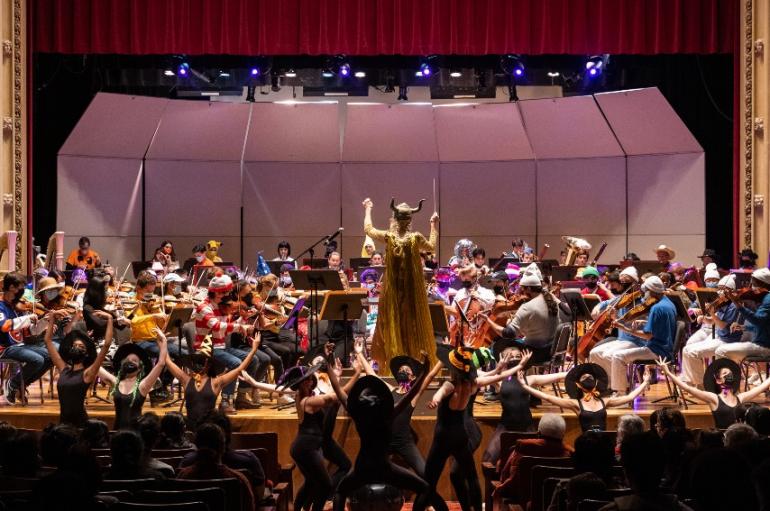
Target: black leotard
{"type": "Point", "coordinates": [403, 437]}
{"type": "Point", "coordinates": [514, 400]}
{"type": "Point", "coordinates": [127, 408]}
{"type": "Point", "coordinates": [72, 396]}
{"type": "Point", "coordinates": [592, 419]}
{"type": "Point", "coordinates": [198, 402]}
{"type": "Point", "coordinates": [306, 452]}
{"type": "Point", "coordinates": [724, 415]}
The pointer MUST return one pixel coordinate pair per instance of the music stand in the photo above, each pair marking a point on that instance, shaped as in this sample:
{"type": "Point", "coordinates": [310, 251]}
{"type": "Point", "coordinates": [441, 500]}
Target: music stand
{"type": "Point", "coordinates": [643, 267]}
{"type": "Point", "coordinates": [275, 266]}
{"type": "Point", "coordinates": [438, 319]}
{"type": "Point", "coordinates": [341, 306]}
{"type": "Point", "coordinates": [315, 281]}
{"type": "Point", "coordinates": [681, 310]}
{"type": "Point", "coordinates": [705, 295]}
{"type": "Point", "coordinates": [293, 320]}
{"type": "Point", "coordinates": [579, 311]}
{"type": "Point", "coordinates": [178, 317]}
{"type": "Point", "coordinates": [358, 262]}
{"type": "Point", "coordinates": [502, 263]}
{"type": "Point", "coordinates": [139, 266]}
{"type": "Point", "coordinates": [315, 264]}
{"type": "Point", "coordinates": [559, 273]}
{"type": "Point", "coordinates": [742, 278]}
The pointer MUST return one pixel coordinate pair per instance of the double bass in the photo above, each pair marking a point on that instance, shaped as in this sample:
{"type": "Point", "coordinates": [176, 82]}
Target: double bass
{"type": "Point", "coordinates": [602, 325]}
{"type": "Point", "coordinates": [484, 335]}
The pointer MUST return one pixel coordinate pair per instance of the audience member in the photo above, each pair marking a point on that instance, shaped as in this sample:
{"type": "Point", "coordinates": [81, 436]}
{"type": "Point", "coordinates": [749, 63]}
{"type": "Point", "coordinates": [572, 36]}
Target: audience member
{"type": "Point", "coordinates": [739, 435]}
{"type": "Point", "coordinates": [758, 417]}
{"type": "Point", "coordinates": [148, 427]}
{"type": "Point", "coordinates": [628, 424]}
{"type": "Point", "coordinates": [210, 441]}
{"type": "Point", "coordinates": [721, 479]}
{"type": "Point", "coordinates": [95, 434]}
{"type": "Point", "coordinates": [56, 442]}
{"type": "Point", "coordinates": [21, 457]}
{"type": "Point", "coordinates": [172, 432]}
{"type": "Point", "coordinates": [128, 461]}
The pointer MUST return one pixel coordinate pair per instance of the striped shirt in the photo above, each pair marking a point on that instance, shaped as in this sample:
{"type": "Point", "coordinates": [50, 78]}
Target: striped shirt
{"type": "Point", "coordinates": [209, 319]}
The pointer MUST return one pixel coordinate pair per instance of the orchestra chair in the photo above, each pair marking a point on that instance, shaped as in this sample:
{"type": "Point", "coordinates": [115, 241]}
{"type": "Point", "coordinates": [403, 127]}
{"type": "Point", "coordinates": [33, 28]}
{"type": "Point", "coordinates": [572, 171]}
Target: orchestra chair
{"type": "Point", "coordinates": [558, 352]}
{"type": "Point", "coordinates": [680, 339]}
{"type": "Point", "coordinates": [230, 486]}
{"type": "Point", "coordinates": [213, 497]}
{"type": "Point", "coordinates": [265, 446]}
{"type": "Point", "coordinates": [540, 473]}
{"type": "Point", "coordinates": [754, 361]}
{"type": "Point", "coordinates": [6, 364]}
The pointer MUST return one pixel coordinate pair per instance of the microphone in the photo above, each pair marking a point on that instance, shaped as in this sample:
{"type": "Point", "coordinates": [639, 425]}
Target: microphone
{"type": "Point", "coordinates": [332, 236]}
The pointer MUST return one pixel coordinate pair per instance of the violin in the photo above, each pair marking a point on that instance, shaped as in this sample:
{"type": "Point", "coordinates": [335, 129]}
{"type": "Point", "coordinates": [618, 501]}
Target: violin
{"type": "Point", "coordinates": [484, 335]}
{"type": "Point", "coordinates": [640, 310]}
{"type": "Point", "coordinates": [602, 325]}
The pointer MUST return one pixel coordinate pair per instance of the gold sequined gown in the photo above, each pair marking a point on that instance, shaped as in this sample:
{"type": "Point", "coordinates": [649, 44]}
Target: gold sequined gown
{"type": "Point", "coordinates": [403, 318]}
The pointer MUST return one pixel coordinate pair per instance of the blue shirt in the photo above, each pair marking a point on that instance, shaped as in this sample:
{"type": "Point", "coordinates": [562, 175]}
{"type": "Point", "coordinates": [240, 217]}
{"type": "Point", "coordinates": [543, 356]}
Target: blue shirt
{"type": "Point", "coordinates": [759, 321]}
{"type": "Point", "coordinates": [622, 334]}
{"type": "Point", "coordinates": [661, 323]}
{"type": "Point", "coordinates": [7, 315]}
{"type": "Point", "coordinates": [728, 314]}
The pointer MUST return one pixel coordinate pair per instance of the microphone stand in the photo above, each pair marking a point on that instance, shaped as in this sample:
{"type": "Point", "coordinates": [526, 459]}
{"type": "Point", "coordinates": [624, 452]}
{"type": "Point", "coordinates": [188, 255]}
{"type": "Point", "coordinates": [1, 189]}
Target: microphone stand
{"type": "Point", "coordinates": [311, 249]}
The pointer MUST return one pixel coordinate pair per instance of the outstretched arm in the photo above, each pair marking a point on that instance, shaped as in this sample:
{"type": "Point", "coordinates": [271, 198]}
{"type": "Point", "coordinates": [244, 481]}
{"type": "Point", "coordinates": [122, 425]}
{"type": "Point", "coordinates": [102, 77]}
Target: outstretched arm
{"type": "Point", "coordinates": [416, 386]}
{"type": "Point", "coordinates": [90, 373]}
{"type": "Point", "coordinates": [754, 392]}
{"type": "Point", "coordinates": [53, 353]}
{"type": "Point", "coordinates": [707, 397]}
{"type": "Point", "coordinates": [222, 381]}
{"type": "Point", "coordinates": [149, 381]}
{"type": "Point", "coordinates": [177, 371]}
{"type": "Point", "coordinates": [369, 230]}
{"type": "Point", "coordinates": [620, 401]}
{"type": "Point", "coordinates": [538, 380]}
{"type": "Point", "coordinates": [558, 401]}
{"type": "Point", "coordinates": [491, 379]}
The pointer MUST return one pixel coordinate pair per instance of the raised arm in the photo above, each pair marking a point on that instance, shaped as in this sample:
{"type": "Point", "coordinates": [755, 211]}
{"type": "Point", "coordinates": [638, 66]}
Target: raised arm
{"type": "Point", "coordinates": [409, 397]}
{"type": "Point", "coordinates": [230, 376]}
{"type": "Point", "coordinates": [429, 244]}
{"type": "Point", "coordinates": [441, 394]}
{"type": "Point", "coordinates": [754, 392]}
{"type": "Point", "coordinates": [427, 381]}
{"type": "Point", "coordinates": [707, 397]}
{"type": "Point", "coordinates": [149, 381]}
{"type": "Point", "coordinates": [491, 379]}
{"type": "Point", "coordinates": [53, 353]}
{"type": "Point", "coordinates": [558, 401]}
{"type": "Point", "coordinates": [621, 400]}
{"type": "Point", "coordinates": [90, 373]}
{"type": "Point", "coordinates": [177, 371]}
{"type": "Point", "coordinates": [369, 230]}
{"type": "Point", "coordinates": [342, 394]}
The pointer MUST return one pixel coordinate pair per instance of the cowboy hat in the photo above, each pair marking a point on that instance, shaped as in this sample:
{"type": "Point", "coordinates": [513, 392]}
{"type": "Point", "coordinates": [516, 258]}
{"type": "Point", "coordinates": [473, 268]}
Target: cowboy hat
{"type": "Point", "coordinates": [710, 376]}
{"type": "Point", "coordinates": [47, 283]}
{"type": "Point", "coordinates": [577, 372]}
{"type": "Point", "coordinates": [668, 250]}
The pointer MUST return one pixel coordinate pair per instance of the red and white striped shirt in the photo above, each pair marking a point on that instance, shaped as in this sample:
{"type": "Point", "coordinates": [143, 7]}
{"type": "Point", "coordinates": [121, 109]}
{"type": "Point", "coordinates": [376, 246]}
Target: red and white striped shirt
{"type": "Point", "coordinates": [210, 319]}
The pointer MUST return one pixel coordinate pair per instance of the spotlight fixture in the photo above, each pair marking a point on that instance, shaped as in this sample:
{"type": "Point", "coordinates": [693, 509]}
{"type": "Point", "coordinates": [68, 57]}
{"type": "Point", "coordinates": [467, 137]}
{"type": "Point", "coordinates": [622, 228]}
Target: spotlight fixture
{"type": "Point", "coordinates": [596, 64]}
{"type": "Point", "coordinates": [259, 67]}
{"type": "Point", "coordinates": [402, 90]}
{"type": "Point", "coordinates": [337, 65]}
{"type": "Point", "coordinates": [344, 69]}
{"type": "Point", "coordinates": [290, 74]}
{"type": "Point", "coordinates": [184, 69]}
{"type": "Point", "coordinates": [454, 73]}
{"type": "Point", "coordinates": [224, 74]}
{"type": "Point", "coordinates": [254, 71]}
{"type": "Point", "coordinates": [327, 73]}
{"type": "Point", "coordinates": [360, 74]}
{"type": "Point", "coordinates": [169, 72]}
{"type": "Point", "coordinates": [512, 65]}
{"type": "Point", "coordinates": [553, 74]}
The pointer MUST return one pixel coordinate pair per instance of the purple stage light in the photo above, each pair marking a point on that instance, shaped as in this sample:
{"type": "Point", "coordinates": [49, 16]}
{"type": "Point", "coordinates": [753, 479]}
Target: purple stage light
{"type": "Point", "coordinates": [345, 69]}
{"type": "Point", "coordinates": [518, 72]}
{"type": "Point", "coordinates": [254, 71]}
{"type": "Point", "coordinates": [592, 71]}
{"type": "Point", "coordinates": [183, 70]}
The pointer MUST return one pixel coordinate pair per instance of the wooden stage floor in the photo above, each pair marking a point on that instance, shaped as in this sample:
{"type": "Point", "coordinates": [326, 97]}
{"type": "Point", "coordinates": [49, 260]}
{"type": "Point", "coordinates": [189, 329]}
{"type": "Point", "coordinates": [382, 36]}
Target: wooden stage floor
{"type": "Point", "coordinates": [37, 416]}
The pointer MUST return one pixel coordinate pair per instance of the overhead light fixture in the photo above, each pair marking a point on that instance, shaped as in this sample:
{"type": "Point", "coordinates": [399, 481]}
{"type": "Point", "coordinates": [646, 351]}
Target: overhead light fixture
{"type": "Point", "coordinates": [290, 74]}
{"type": "Point", "coordinates": [553, 74]}
{"type": "Point", "coordinates": [512, 65]}
{"type": "Point", "coordinates": [360, 74]}
{"type": "Point", "coordinates": [455, 74]}
{"type": "Point", "coordinates": [169, 72]}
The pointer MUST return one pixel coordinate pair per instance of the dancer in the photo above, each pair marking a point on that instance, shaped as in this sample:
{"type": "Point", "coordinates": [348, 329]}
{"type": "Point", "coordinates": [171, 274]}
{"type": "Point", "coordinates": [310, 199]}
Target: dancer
{"type": "Point", "coordinates": [202, 387]}
{"type": "Point", "coordinates": [585, 384]}
{"type": "Point", "coordinates": [78, 365]}
{"type": "Point", "coordinates": [721, 382]}
{"type": "Point", "coordinates": [306, 450]}
{"type": "Point", "coordinates": [403, 317]}
{"type": "Point", "coordinates": [514, 399]}
{"type": "Point", "coordinates": [450, 435]}
{"type": "Point", "coordinates": [370, 404]}
{"type": "Point", "coordinates": [134, 379]}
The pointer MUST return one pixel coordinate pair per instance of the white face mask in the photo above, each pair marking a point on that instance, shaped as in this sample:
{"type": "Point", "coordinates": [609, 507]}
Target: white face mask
{"type": "Point", "coordinates": [51, 294]}
{"type": "Point", "coordinates": [199, 258]}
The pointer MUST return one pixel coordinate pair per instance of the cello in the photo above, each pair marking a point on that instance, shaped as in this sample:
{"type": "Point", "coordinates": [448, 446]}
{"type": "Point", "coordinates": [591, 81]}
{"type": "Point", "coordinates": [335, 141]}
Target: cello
{"type": "Point", "coordinates": [602, 326]}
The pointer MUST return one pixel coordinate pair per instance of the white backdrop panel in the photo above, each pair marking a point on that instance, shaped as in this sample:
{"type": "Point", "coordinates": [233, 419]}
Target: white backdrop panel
{"type": "Point", "coordinates": [581, 195]}
{"type": "Point", "coordinates": [568, 128]}
{"type": "Point", "coordinates": [687, 247]}
{"type": "Point", "coordinates": [99, 196]}
{"type": "Point", "coordinates": [389, 133]}
{"type": "Point", "coordinates": [119, 251]}
{"type": "Point", "coordinates": [197, 130]}
{"type": "Point", "coordinates": [666, 194]}
{"type": "Point", "coordinates": [229, 251]}
{"type": "Point", "coordinates": [645, 123]}
{"type": "Point", "coordinates": [481, 133]}
{"type": "Point", "coordinates": [290, 199]}
{"type": "Point", "coordinates": [407, 182]}
{"type": "Point", "coordinates": [115, 126]}
{"type": "Point", "coordinates": [297, 132]}
{"type": "Point", "coordinates": [193, 198]}
{"type": "Point", "coordinates": [487, 198]}
{"type": "Point", "coordinates": [616, 246]}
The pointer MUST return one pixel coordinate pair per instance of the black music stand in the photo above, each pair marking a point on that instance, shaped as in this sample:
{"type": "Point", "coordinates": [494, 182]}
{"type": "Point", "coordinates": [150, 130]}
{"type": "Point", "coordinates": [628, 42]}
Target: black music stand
{"type": "Point", "coordinates": [502, 263]}
{"type": "Point", "coordinates": [315, 264]}
{"type": "Point", "coordinates": [438, 319]}
{"type": "Point", "coordinates": [579, 311]}
{"type": "Point", "coordinates": [315, 281]}
{"type": "Point", "coordinates": [178, 317]}
{"type": "Point", "coordinates": [341, 306]}
{"type": "Point", "coordinates": [358, 262]}
{"type": "Point", "coordinates": [643, 267]}
{"type": "Point", "coordinates": [275, 266]}
{"type": "Point", "coordinates": [560, 273]}
{"type": "Point", "coordinates": [292, 320]}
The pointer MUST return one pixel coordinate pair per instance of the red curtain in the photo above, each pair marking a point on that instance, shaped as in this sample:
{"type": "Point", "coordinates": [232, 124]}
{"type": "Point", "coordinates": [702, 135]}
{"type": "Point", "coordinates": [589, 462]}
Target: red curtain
{"type": "Point", "coordinates": [376, 27]}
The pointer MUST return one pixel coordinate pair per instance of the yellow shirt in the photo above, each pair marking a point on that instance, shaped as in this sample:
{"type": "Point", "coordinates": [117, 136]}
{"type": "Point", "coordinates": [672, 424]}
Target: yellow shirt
{"type": "Point", "coordinates": [142, 324]}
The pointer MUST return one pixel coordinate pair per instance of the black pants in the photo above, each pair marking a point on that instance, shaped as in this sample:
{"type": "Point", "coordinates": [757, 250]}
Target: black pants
{"type": "Point", "coordinates": [380, 472]}
{"type": "Point", "coordinates": [307, 454]}
{"type": "Point", "coordinates": [411, 455]}
{"type": "Point", "coordinates": [463, 480]}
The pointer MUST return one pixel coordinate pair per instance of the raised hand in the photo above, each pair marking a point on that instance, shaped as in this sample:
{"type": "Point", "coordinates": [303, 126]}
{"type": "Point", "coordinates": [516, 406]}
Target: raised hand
{"type": "Point", "coordinates": [368, 204]}
{"type": "Point", "coordinates": [161, 337]}
{"type": "Point", "coordinates": [434, 218]}
{"type": "Point", "coordinates": [358, 346]}
{"type": "Point", "coordinates": [337, 367]}
{"type": "Point", "coordinates": [525, 356]}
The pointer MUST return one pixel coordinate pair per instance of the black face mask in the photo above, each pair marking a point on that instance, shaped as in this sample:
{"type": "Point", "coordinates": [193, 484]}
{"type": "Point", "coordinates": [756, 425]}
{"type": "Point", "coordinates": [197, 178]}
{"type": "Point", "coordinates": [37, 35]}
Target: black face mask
{"type": "Point", "coordinates": [77, 355]}
{"type": "Point", "coordinates": [499, 290]}
{"type": "Point", "coordinates": [467, 284]}
{"type": "Point", "coordinates": [129, 367]}
{"type": "Point", "coordinates": [728, 380]}
{"type": "Point", "coordinates": [19, 294]}
{"type": "Point", "coordinates": [402, 377]}
{"type": "Point", "coordinates": [248, 299]}
{"type": "Point", "coordinates": [198, 368]}
{"type": "Point", "coordinates": [747, 263]}
{"type": "Point", "coordinates": [588, 383]}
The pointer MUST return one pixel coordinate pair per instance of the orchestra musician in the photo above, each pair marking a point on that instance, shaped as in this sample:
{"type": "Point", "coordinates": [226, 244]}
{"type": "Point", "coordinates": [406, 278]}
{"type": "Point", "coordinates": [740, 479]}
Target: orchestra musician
{"type": "Point", "coordinates": [665, 255]}
{"type": "Point", "coordinates": [590, 278]}
{"type": "Point", "coordinates": [368, 249]}
{"type": "Point", "coordinates": [284, 252]}
{"type": "Point", "coordinates": [377, 259]}
{"type": "Point", "coordinates": [338, 330]}
{"type": "Point", "coordinates": [84, 256]}
{"type": "Point", "coordinates": [479, 260]}
{"type": "Point", "coordinates": [462, 253]}
{"type": "Point", "coordinates": [757, 321]}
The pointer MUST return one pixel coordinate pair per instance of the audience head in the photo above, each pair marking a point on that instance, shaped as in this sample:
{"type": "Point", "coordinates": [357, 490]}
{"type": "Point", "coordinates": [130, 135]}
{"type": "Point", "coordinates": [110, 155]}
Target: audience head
{"type": "Point", "coordinates": [669, 419]}
{"type": "Point", "coordinates": [221, 420]}
{"type": "Point", "coordinates": [95, 434]}
{"type": "Point", "coordinates": [552, 425]}
{"type": "Point", "coordinates": [641, 457]}
{"type": "Point", "coordinates": [741, 409]}
{"type": "Point", "coordinates": [629, 424]}
{"type": "Point", "coordinates": [210, 441]}
{"type": "Point", "coordinates": [710, 439]}
{"type": "Point", "coordinates": [739, 435]}
{"type": "Point", "coordinates": [172, 426]}
{"type": "Point", "coordinates": [594, 453]}
{"type": "Point", "coordinates": [7, 433]}
{"type": "Point", "coordinates": [148, 427]}
{"type": "Point", "coordinates": [21, 456]}
{"type": "Point", "coordinates": [758, 417]}
{"type": "Point", "coordinates": [127, 452]}
{"type": "Point", "coordinates": [720, 479]}
{"type": "Point", "coordinates": [56, 443]}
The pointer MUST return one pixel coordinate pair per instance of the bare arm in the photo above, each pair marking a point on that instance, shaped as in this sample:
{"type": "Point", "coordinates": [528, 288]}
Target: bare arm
{"type": "Point", "coordinates": [342, 394]}
{"type": "Point", "coordinates": [148, 381]}
{"type": "Point", "coordinates": [569, 404]}
{"type": "Point", "coordinates": [494, 378]}
{"type": "Point", "coordinates": [90, 373]}
{"type": "Point", "coordinates": [429, 244]}
{"type": "Point", "coordinates": [177, 371]}
{"type": "Point", "coordinates": [53, 353]}
{"type": "Point", "coordinates": [537, 380]}
{"type": "Point", "coordinates": [707, 397]}
{"type": "Point", "coordinates": [427, 381]}
{"type": "Point", "coordinates": [752, 393]}
{"type": "Point", "coordinates": [620, 401]}
{"type": "Point", "coordinates": [230, 376]}
{"type": "Point", "coordinates": [415, 389]}
{"type": "Point", "coordinates": [441, 394]}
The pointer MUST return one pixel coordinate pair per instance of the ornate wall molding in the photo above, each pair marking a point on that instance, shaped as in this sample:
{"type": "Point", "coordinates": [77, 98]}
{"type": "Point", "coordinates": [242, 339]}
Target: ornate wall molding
{"type": "Point", "coordinates": [18, 128]}
{"type": "Point", "coordinates": [748, 123]}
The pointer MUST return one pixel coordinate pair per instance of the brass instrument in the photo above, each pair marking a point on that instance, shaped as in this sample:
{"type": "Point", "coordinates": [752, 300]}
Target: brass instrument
{"type": "Point", "coordinates": [574, 247]}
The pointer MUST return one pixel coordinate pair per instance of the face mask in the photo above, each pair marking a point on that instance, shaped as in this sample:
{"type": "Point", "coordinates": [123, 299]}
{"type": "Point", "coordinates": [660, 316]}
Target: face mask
{"type": "Point", "coordinates": [590, 284]}
{"type": "Point", "coordinates": [647, 295]}
{"type": "Point", "coordinates": [712, 284]}
{"type": "Point", "coordinates": [199, 258]}
{"type": "Point", "coordinates": [402, 377]}
{"type": "Point", "coordinates": [19, 294]}
{"type": "Point", "coordinates": [369, 285]}
{"type": "Point", "coordinates": [588, 383]}
{"type": "Point", "coordinates": [746, 263]}
{"type": "Point", "coordinates": [176, 290]}
{"type": "Point", "coordinates": [198, 368]}
{"type": "Point", "coordinates": [51, 294]}
{"type": "Point", "coordinates": [129, 367]}
{"type": "Point", "coordinates": [286, 281]}
{"type": "Point", "coordinates": [77, 355]}
{"type": "Point", "coordinates": [167, 250]}
{"type": "Point", "coordinates": [728, 380]}
{"type": "Point", "coordinates": [467, 284]}
{"type": "Point", "coordinates": [499, 290]}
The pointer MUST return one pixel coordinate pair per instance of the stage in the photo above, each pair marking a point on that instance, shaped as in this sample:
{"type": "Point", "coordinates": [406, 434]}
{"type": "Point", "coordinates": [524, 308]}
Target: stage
{"type": "Point", "coordinates": [284, 422]}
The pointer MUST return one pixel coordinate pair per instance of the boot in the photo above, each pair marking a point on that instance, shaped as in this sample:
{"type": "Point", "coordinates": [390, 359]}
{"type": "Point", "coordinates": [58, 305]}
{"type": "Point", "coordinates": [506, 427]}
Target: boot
{"type": "Point", "coordinates": [226, 407]}
{"type": "Point", "coordinates": [244, 402]}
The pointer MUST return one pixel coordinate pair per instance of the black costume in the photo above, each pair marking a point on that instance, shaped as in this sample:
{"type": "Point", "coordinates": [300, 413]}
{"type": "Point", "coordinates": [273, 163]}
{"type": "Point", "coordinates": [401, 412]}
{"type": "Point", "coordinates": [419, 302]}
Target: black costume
{"type": "Point", "coordinates": [460, 477]}
{"type": "Point", "coordinates": [724, 415]}
{"type": "Point", "coordinates": [127, 408]}
{"type": "Point", "coordinates": [516, 416]}
{"type": "Point", "coordinates": [592, 419]}
{"type": "Point", "coordinates": [307, 454]}
{"type": "Point", "coordinates": [402, 440]}
{"type": "Point", "coordinates": [198, 402]}
{"type": "Point", "coordinates": [72, 396]}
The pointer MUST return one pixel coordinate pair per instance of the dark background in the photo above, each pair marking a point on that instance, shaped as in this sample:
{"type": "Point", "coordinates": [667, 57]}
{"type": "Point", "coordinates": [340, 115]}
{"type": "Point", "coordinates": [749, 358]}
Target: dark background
{"type": "Point", "coordinates": [699, 87]}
